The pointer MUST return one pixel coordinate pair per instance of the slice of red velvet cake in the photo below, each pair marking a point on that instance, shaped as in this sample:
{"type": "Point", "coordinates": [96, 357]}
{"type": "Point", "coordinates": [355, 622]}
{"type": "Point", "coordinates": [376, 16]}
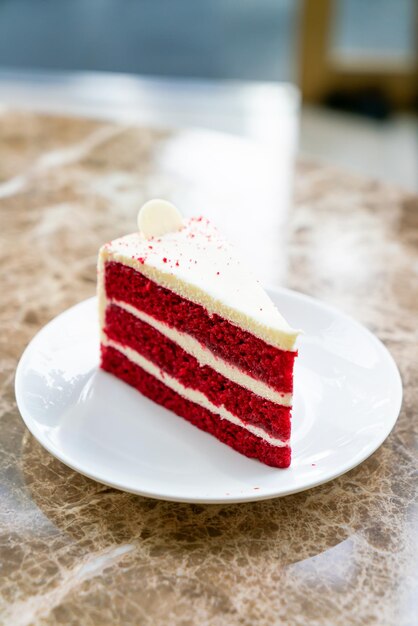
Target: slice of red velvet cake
{"type": "Point", "coordinates": [185, 323]}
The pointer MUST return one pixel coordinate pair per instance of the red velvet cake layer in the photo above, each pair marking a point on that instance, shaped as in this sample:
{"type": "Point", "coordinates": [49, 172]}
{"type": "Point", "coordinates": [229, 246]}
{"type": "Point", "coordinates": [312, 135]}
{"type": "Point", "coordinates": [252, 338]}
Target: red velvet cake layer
{"type": "Point", "coordinates": [130, 331]}
{"type": "Point", "coordinates": [234, 436]}
{"type": "Point", "coordinates": [233, 344]}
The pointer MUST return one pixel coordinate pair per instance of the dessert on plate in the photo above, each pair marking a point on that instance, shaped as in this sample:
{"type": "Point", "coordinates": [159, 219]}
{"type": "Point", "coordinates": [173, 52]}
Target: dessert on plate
{"type": "Point", "coordinates": [184, 322]}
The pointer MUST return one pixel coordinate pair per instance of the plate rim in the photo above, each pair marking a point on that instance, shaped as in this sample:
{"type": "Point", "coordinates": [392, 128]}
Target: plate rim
{"type": "Point", "coordinates": [256, 496]}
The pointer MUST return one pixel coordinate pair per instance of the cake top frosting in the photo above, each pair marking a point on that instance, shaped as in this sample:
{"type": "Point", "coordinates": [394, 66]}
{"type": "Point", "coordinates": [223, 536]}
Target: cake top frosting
{"type": "Point", "coordinates": [192, 258]}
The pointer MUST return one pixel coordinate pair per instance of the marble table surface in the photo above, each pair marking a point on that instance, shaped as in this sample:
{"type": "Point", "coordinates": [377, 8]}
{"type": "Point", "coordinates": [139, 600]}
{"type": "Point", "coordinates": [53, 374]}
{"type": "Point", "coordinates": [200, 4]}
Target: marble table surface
{"type": "Point", "coordinates": [76, 552]}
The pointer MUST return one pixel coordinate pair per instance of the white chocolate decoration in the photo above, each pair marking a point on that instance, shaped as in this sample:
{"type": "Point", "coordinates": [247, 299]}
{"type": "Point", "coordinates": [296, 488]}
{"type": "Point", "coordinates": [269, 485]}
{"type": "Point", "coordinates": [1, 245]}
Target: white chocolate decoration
{"type": "Point", "coordinates": [157, 218]}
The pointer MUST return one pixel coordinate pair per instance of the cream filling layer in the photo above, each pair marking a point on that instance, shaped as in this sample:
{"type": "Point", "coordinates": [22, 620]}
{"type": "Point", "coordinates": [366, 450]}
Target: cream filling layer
{"type": "Point", "coordinates": [206, 357]}
{"type": "Point", "coordinates": [190, 394]}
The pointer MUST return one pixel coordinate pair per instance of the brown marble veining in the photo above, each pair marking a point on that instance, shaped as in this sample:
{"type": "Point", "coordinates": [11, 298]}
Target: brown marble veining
{"type": "Point", "coordinates": [75, 552]}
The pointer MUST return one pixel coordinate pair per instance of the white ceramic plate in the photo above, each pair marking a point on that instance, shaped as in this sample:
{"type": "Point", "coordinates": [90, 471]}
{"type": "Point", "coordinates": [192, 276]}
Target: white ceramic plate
{"type": "Point", "coordinates": [347, 399]}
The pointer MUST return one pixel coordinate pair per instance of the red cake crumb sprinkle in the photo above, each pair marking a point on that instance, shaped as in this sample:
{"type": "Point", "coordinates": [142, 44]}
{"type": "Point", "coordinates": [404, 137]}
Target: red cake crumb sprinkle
{"type": "Point", "coordinates": [217, 273]}
{"type": "Point", "coordinates": [177, 264]}
{"type": "Point", "coordinates": [165, 259]}
{"type": "Point", "coordinates": [141, 259]}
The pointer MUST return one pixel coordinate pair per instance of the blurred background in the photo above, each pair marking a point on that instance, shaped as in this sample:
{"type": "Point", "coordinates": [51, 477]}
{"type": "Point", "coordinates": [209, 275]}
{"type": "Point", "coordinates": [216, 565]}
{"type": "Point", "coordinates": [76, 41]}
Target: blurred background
{"type": "Point", "coordinates": [354, 61]}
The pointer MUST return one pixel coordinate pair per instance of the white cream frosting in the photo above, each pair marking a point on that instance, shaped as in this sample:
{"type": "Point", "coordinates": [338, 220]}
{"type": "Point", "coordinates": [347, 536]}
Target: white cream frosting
{"type": "Point", "coordinates": [197, 264]}
{"type": "Point", "coordinates": [206, 357]}
{"type": "Point", "coordinates": [190, 394]}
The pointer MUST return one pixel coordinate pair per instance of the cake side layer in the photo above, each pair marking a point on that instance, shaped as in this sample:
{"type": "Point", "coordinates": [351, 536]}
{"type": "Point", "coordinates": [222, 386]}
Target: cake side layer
{"type": "Point", "coordinates": [231, 343]}
{"type": "Point", "coordinates": [236, 437]}
{"type": "Point", "coordinates": [204, 356]}
{"type": "Point", "coordinates": [197, 264]}
{"type": "Point", "coordinates": [125, 329]}
{"type": "Point", "coordinates": [190, 394]}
